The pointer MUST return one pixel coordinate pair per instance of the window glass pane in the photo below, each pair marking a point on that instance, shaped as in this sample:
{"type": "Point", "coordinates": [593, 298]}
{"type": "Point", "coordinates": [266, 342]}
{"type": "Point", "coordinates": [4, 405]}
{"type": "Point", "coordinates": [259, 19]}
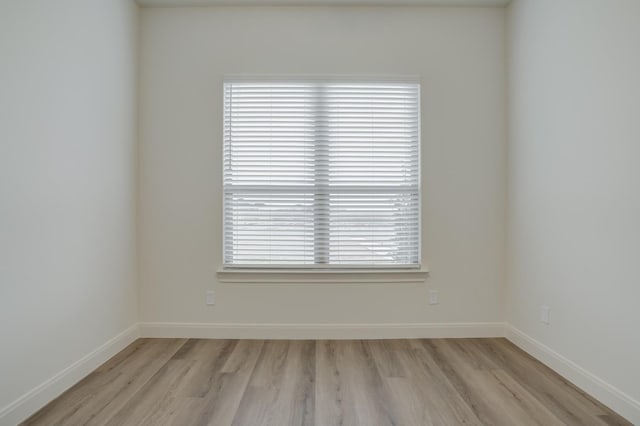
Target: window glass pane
{"type": "Point", "coordinates": [321, 173]}
{"type": "Point", "coordinates": [269, 228]}
{"type": "Point", "coordinates": [374, 229]}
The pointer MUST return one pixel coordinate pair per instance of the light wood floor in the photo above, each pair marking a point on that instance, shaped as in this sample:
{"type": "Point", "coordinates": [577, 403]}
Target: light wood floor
{"type": "Point", "coordinates": [374, 382]}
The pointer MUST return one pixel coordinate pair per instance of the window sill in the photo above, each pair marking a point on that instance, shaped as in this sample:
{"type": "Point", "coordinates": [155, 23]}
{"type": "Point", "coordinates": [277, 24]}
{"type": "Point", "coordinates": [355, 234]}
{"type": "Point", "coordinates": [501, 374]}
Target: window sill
{"type": "Point", "coordinates": [284, 276]}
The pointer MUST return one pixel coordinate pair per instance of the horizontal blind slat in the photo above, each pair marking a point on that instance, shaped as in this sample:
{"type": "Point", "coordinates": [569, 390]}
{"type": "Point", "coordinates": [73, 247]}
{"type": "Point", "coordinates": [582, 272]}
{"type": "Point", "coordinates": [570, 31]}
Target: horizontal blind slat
{"type": "Point", "coordinates": [321, 170]}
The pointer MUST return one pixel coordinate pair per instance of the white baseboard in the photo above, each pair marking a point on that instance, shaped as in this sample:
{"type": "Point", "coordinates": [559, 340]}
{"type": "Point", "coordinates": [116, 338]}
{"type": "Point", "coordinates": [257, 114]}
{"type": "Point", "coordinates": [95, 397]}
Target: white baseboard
{"type": "Point", "coordinates": [38, 397]}
{"type": "Point", "coordinates": [604, 392]}
{"type": "Point", "coordinates": [321, 331]}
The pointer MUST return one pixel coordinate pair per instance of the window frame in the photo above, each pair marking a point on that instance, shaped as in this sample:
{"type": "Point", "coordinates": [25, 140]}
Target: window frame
{"type": "Point", "coordinates": [324, 269]}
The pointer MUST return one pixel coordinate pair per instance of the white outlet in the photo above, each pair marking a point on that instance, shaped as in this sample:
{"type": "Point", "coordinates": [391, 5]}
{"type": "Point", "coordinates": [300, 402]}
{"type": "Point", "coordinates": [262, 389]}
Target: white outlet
{"type": "Point", "coordinates": [545, 311]}
{"type": "Point", "coordinates": [210, 297]}
{"type": "Point", "coordinates": [434, 297]}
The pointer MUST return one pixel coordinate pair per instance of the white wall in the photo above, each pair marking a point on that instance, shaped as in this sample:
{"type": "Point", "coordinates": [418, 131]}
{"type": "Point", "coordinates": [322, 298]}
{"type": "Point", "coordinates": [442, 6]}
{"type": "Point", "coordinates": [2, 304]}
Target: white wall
{"type": "Point", "coordinates": [67, 184]}
{"type": "Point", "coordinates": [68, 172]}
{"type": "Point", "coordinates": [460, 55]}
{"type": "Point", "coordinates": [574, 191]}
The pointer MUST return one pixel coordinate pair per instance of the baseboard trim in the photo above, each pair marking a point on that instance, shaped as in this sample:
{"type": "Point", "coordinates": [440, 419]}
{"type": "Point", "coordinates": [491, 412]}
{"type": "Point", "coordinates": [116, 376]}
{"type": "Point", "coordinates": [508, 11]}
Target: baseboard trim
{"type": "Point", "coordinates": [604, 392]}
{"type": "Point", "coordinates": [38, 397]}
{"type": "Point", "coordinates": [321, 331]}
{"type": "Point", "coordinates": [42, 394]}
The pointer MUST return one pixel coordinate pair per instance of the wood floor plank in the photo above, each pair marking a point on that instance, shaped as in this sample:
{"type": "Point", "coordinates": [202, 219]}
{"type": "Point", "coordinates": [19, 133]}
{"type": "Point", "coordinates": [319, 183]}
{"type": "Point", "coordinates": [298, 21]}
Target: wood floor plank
{"type": "Point", "coordinates": [334, 398]}
{"type": "Point", "coordinates": [295, 402]}
{"type": "Point", "coordinates": [438, 397]}
{"type": "Point", "coordinates": [481, 408]}
{"type": "Point", "coordinates": [371, 397]}
{"type": "Point", "coordinates": [256, 406]}
{"type": "Point", "coordinates": [162, 387]}
{"type": "Point", "coordinates": [498, 387]}
{"type": "Point", "coordinates": [386, 354]}
{"type": "Point", "coordinates": [419, 382]}
{"type": "Point", "coordinates": [97, 397]}
{"type": "Point", "coordinates": [571, 407]}
{"type": "Point", "coordinates": [282, 389]}
{"type": "Point", "coordinates": [209, 359]}
{"type": "Point", "coordinates": [194, 373]}
{"type": "Point", "coordinates": [475, 380]}
{"type": "Point", "coordinates": [229, 373]}
{"type": "Point", "coordinates": [221, 403]}
{"type": "Point", "coordinates": [175, 411]}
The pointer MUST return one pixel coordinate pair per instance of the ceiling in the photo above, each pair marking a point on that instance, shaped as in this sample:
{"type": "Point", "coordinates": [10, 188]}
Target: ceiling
{"type": "Point", "coordinates": [457, 3]}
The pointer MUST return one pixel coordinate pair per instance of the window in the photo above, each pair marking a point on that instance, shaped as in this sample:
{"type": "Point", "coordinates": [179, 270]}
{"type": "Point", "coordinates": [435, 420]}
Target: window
{"type": "Point", "coordinates": [321, 174]}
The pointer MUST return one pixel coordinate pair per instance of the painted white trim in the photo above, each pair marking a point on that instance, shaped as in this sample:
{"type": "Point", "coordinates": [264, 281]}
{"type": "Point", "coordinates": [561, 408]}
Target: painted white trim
{"type": "Point", "coordinates": [247, 276]}
{"type": "Point", "coordinates": [436, 3]}
{"type": "Point", "coordinates": [321, 331]}
{"type": "Point", "coordinates": [322, 78]}
{"type": "Point", "coordinates": [604, 392]}
{"type": "Point", "coordinates": [38, 397]}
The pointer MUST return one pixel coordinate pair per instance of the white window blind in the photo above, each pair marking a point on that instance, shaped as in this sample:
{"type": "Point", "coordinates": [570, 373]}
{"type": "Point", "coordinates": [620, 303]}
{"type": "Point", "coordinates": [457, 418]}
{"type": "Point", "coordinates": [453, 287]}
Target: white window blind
{"type": "Point", "coordinates": [321, 174]}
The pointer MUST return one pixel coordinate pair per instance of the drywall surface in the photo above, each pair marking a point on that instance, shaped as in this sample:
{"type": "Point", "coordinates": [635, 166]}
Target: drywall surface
{"type": "Point", "coordinates": [67, 184]}
{"type": "Point", "coordinates": [574, 182]}
{"type": "Point", "coordinates": [459, 53]}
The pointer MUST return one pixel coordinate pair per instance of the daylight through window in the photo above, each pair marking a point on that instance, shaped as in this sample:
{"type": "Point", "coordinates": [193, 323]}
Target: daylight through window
{"type": "Point", "coordinates": [321, 174]}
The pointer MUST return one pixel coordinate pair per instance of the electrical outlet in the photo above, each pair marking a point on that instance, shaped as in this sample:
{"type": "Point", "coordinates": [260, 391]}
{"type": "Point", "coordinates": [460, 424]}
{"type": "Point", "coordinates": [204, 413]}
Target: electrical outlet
{"type": "Point", "coordinates": [545, 311]}
{"type": "Point", "coordinates": [210, 297]}
{"type": "Point", "coordinates": [434, 297]}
